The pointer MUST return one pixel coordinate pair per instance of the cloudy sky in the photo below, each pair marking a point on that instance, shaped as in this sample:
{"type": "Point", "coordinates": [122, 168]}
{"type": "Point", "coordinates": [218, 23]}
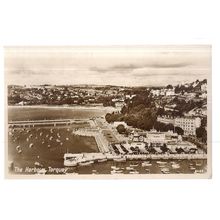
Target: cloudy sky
{"type": "Point", "coordinates": [127, 66]}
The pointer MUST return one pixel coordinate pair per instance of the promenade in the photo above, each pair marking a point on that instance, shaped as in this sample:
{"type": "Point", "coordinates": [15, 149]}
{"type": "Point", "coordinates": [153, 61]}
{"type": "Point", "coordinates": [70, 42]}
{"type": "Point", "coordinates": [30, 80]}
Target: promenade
{"type": "Point", "coordinates": [70, 159]}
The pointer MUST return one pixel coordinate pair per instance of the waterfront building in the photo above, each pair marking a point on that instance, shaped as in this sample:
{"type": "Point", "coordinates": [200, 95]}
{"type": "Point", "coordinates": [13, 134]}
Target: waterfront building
{"type": "Point", "coordinates": [172, 137]}
{"type": "Point", "coordinates": [140, 145]}
{"type": "Point", "coordinates": [188, 124]}
{"type": "Point", "coordinates": [155, 137]}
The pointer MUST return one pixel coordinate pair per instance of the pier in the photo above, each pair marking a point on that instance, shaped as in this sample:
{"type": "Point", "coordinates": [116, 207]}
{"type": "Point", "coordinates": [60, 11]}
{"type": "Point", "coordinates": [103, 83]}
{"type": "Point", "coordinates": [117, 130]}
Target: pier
{"type": "Point", "coordinates": [33, 123]}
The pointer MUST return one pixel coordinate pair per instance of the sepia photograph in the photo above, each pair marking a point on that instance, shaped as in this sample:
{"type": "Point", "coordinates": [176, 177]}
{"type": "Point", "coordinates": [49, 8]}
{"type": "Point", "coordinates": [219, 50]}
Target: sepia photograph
{"type": "Point", "coordinates": [108, 112]}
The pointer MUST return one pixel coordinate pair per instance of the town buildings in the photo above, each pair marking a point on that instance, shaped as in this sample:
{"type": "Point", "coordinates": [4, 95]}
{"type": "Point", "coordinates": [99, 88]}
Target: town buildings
{"type": "Point", "coordinates": [199, 112]}
{"type": "Point", "coordinates": [204, 87]}
{"type": "Point", "coordinates": [163, 92]}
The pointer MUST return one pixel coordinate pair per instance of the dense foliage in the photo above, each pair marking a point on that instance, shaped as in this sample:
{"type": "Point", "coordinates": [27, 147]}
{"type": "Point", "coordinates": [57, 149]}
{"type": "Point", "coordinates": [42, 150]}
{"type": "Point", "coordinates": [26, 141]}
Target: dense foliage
{"type": "Point", "coordinates": [139, 112]}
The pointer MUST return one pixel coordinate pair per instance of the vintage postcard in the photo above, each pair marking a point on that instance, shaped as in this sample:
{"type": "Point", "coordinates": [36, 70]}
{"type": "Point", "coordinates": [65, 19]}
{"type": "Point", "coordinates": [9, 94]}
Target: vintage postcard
{"type": "Point", "coordinates": [108, 112]}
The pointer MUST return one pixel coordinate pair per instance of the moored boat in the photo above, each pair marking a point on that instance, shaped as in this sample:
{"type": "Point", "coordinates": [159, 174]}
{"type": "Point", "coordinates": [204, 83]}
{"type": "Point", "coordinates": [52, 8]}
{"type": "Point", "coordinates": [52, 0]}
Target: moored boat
{"type": "Point", "coordinates": [161, 162]}
{"type": "Point", "coordinates": [102, 160]}
{"type": "Point", "coordinates": [134, 165]}
{"type": "Point", "coordinates": [165, 171]}
{"type": "Point", "coordinates": [115, 168]}
{"type": "Point", "coordinates": [116, 171]}
{"type": "Point", "coordinates": [86, 163]}
{"type": "Point", "coordinates": [198, 164]}
{"type": "Point", "coordinates": [175, 166]}
{"type": "Point", "coordinates": [122, 159]}
{"type": "Point", "coordinates": [70, 163]}
{"type": "Point", "coordinates": [129, 168]}
{"type": "Point", "coordinates": [146, 164]}
{"type": "Point", "coordinates": [134, 172]}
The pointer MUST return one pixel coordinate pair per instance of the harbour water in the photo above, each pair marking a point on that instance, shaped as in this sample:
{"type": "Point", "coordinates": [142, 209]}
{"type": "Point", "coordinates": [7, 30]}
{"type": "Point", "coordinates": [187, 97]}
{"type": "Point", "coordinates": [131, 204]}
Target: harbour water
{"type": "Point", "coordinates": [135, 167]}
{"type": "Point", "coordinates": [22, 113]}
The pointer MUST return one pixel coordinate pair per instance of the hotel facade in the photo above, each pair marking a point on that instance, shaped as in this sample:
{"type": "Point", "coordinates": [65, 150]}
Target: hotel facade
{"type": "Point", "coordinates": [188, 124]}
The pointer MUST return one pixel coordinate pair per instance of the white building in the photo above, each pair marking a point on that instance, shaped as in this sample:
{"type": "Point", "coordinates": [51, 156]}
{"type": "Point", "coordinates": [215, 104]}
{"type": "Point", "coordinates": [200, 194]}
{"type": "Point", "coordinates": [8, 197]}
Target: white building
{"type": "Point", "coordinates": [140, 145]}
{"type": "Point", "coordinates": [155, 92]}
{"type": "Point", "coordinates": [170, 108]}
{"type": "Point", "coordinates": [159, 138]}
{"type": "Point", "coordinates": [156, 137]}
{"type": "Point", "coordinates": [170, 92]}
{"type": "Point", "coordinates": [188, 124]}
{"type": "Point", "coordinates": [119, 104]}
{"type": "Point", "coordinates": [165, 119]}
{"type": "Point", "coordinates": [130, 96]}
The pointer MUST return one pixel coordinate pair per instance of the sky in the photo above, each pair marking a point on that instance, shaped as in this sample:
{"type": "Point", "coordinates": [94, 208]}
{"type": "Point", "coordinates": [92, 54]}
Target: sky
{"type": "Point", "coordinates": [122, 66]}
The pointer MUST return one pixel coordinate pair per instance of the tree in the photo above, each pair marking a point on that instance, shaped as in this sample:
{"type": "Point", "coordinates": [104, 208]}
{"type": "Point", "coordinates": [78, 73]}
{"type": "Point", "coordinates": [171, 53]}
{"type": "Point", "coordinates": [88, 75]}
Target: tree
{"type": "Point", "coordinates": [159, 126]}
{"type": "Point", "coordinates": [108, 117]}
{"type": "Point", "coordinates": [124, 110]}
{"type": "Point", "coordinates": [164, 148]}
{"type": "Point", "coordinates": [169, 127]}
{"type": "Point", "coordinates": [160, 111]}
{"type": "Point", "coordinates": [201, 133]}
{"type": "Point", "coordinates": [169, 87]}
{"type": "Point", "coordinates": [204, 122]}
{"type": "Point", "coordinates": [179, 130]}
{"type": "Point", "coordinates": [139, 112]}
{"type": "Point", "coordinates": [121, 129]}
{"type": "Point", "coordinates": [113, 117]}
{"type": "Point", "coordinates": [80, 100]}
